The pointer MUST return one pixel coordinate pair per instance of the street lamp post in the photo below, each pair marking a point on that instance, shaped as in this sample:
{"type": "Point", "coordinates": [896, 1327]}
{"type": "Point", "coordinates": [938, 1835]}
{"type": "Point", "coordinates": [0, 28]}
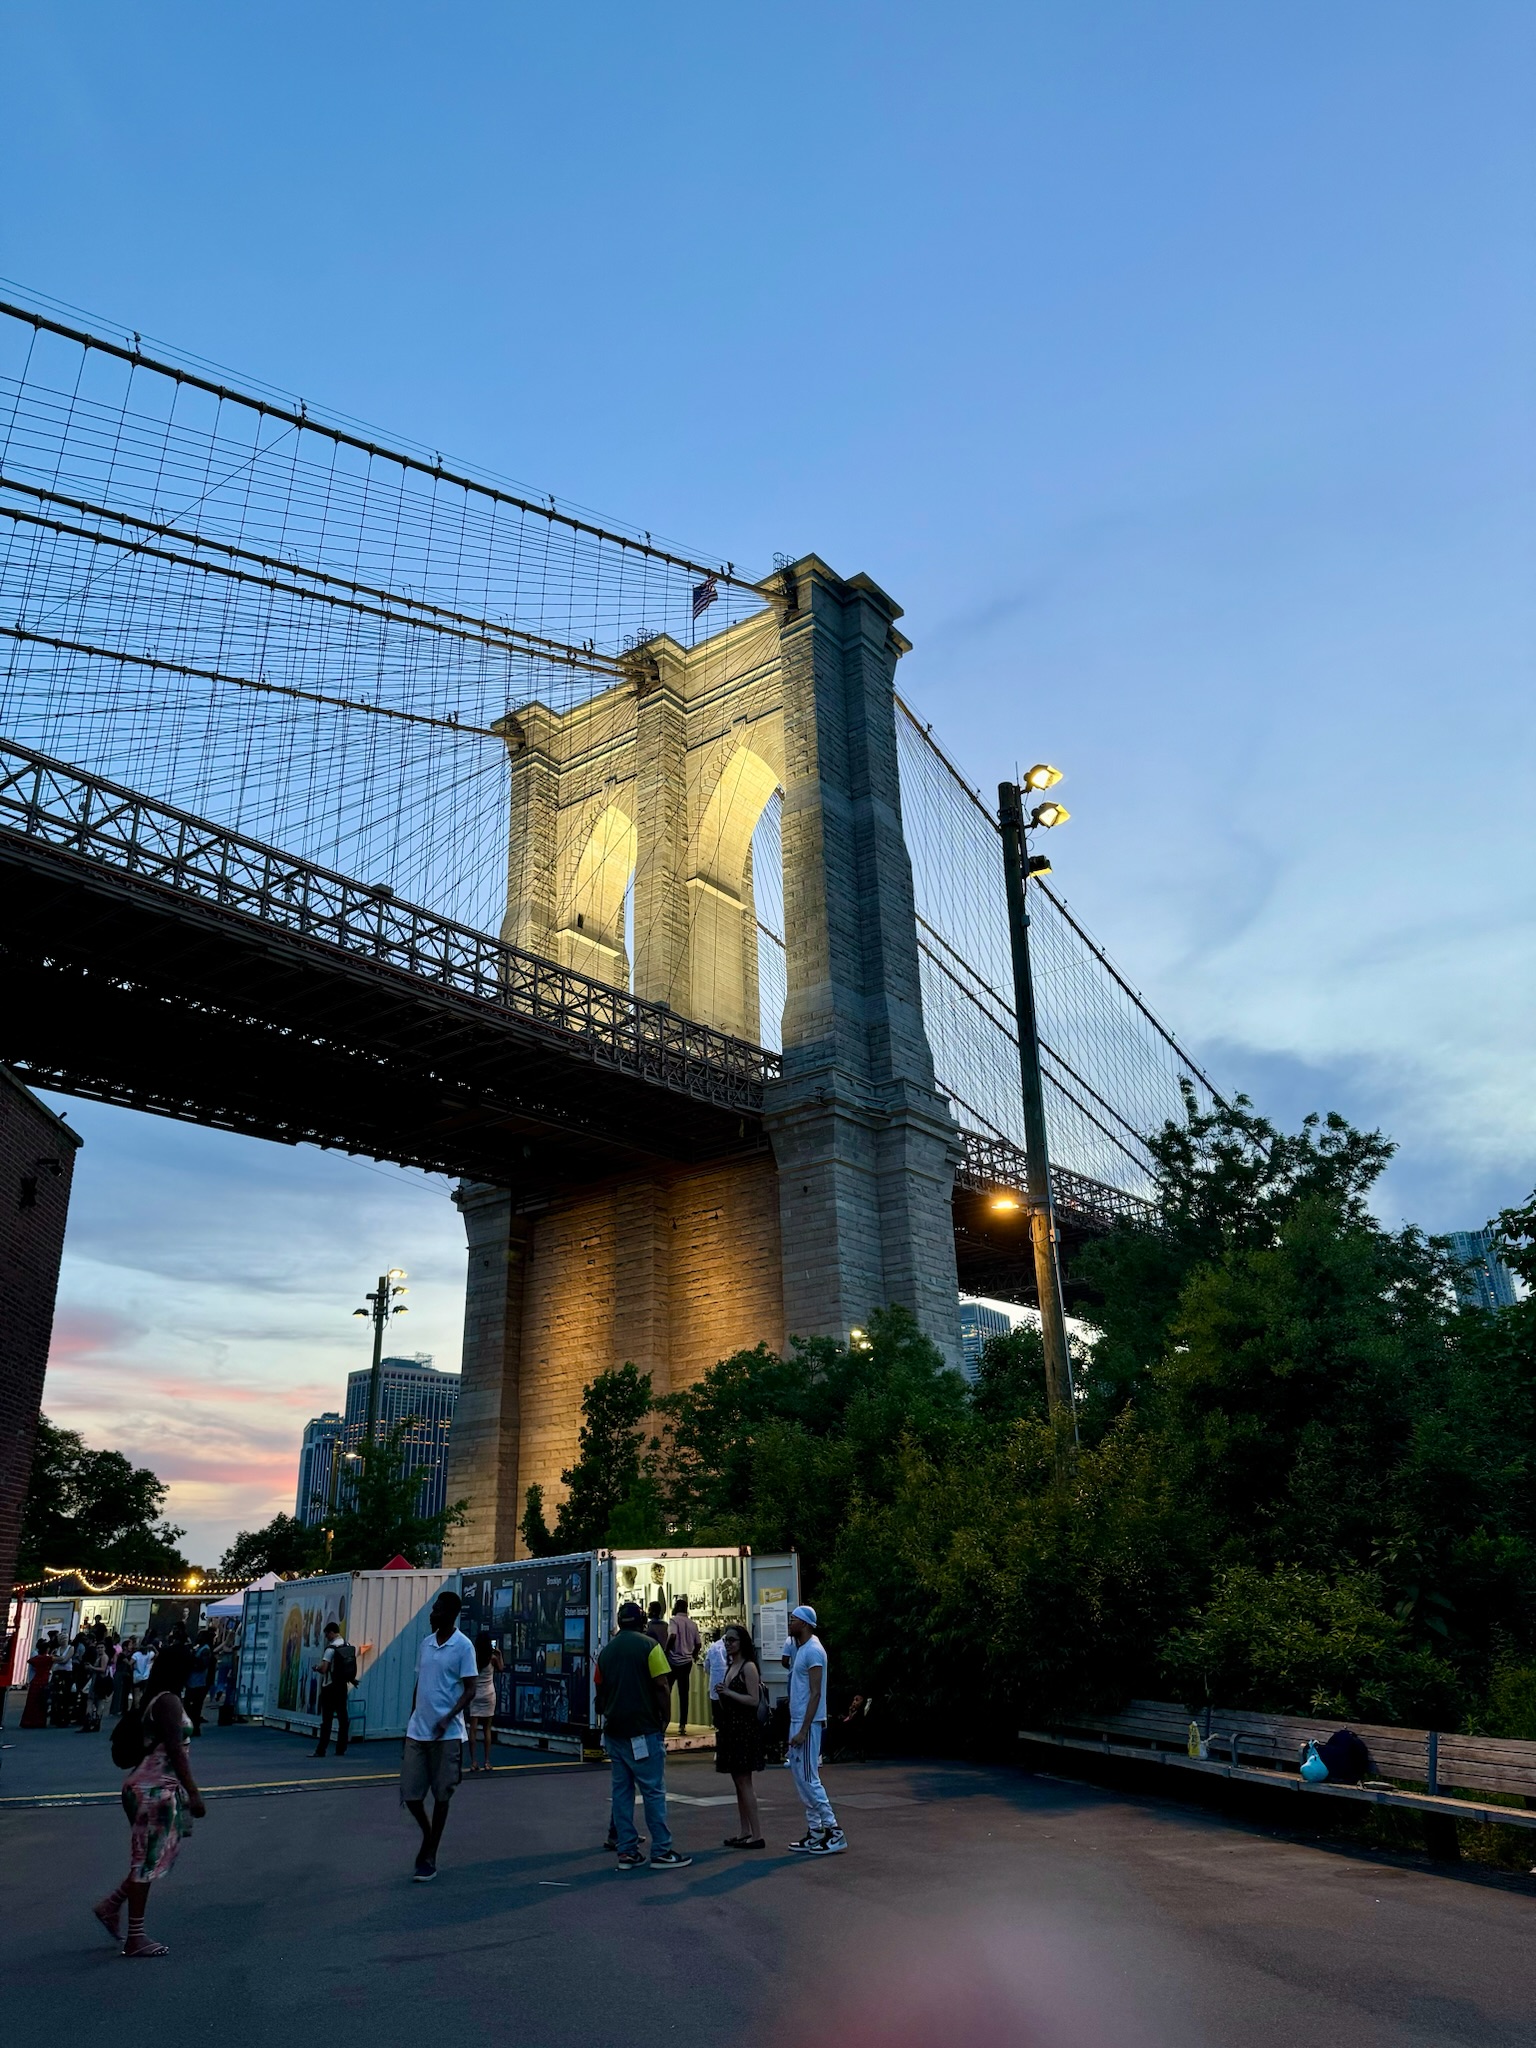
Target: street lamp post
{"type": "Point", "coordinates": [381, 1306]}
{"type": "Point", "coordinates": [1018, 866]}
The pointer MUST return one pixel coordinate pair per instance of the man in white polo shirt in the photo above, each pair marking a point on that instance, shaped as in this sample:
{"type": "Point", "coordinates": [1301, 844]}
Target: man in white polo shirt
{"type": "Point", "coordinates": [433, 1756]}
{"type": "Point", "coordinates": [807, 1725]}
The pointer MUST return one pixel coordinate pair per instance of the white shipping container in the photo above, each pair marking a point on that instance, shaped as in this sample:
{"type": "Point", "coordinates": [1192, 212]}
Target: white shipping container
{"type": "Point", "coordinates": [383, 1616]}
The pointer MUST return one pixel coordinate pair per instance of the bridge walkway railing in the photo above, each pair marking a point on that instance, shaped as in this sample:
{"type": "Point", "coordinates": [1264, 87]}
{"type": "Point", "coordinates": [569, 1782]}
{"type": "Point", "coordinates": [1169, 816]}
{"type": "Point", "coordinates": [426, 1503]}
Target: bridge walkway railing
{"type": "Point", "coordinates": [51, 803]}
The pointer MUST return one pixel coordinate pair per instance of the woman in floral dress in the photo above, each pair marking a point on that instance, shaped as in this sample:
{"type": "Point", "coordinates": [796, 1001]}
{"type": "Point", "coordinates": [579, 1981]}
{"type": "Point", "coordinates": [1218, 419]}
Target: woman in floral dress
{"type": "Point", "coordinates": [159, 1795]}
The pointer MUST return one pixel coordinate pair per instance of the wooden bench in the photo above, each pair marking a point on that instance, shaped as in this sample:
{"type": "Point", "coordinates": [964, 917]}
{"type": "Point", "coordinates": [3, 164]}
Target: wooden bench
{"type": "Point", "coordinates": [1266, 1749]}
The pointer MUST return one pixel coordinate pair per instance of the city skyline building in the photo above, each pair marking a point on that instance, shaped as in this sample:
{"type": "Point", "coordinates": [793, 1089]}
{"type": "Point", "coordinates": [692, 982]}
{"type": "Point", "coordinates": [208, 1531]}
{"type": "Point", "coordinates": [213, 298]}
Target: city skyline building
{"type": "Point", "coordinates": [317, 1454]}
{"type": "Point", "coordinates": [979, 1323]}
{"type": "Point", "coordinates": [411, 1390]}
{"type": "Point", "coordinates": [1485, 1281]}
{"type": "Point", "coordinates": [415, 1391]}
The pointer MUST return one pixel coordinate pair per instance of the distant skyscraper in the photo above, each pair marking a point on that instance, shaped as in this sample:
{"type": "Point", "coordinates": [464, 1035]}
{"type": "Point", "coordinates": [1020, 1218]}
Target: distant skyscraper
{"type": "Point", "coordinates": [1486, 1282]}
{"type": "Point", "coordinates": [322, 1439]}
{"type": "Point", "coordinates": [977, 1324]}
{"type": "Point", "coordinates": [411, 1387]}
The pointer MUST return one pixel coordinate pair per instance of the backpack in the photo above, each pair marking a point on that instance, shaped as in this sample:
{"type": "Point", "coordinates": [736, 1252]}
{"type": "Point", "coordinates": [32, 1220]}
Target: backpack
{"type": "Point", "coordinates": [343, 1665]}
{"type": "Point", "coordinates": [1346, 1756]}
{"type": "Point", "coordinates": [128, 1747]}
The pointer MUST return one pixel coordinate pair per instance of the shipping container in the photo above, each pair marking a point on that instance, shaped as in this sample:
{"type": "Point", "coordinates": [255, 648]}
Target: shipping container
{"type": "Point", "coordinates": [383, 1616]}
{"type": "Point", "coordinates": [550, 1616]}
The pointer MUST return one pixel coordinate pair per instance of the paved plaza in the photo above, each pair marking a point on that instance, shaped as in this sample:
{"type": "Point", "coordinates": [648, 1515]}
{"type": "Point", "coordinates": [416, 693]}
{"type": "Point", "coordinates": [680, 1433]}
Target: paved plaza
{"type": "Point", "coordinates": [976, 1905]}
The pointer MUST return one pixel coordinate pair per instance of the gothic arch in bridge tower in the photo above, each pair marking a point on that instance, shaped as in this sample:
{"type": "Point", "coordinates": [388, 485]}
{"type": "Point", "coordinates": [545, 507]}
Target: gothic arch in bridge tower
{"type": "Point", "coordinates": [722, 911]}
{"type": "Point", "coordinates": [590, 932]}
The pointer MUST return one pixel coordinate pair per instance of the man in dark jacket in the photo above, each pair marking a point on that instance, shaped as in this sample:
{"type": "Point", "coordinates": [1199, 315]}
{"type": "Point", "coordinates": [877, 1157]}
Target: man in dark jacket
{"type": "Point", "coordinates": [634, 1694]}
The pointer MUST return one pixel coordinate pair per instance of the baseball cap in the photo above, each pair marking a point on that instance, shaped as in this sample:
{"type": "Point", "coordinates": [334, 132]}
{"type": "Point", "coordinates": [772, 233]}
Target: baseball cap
{"type": "Point", "coordinates": [805, 1614]}
{"type": "Point", "coordinates": [631, 1611]}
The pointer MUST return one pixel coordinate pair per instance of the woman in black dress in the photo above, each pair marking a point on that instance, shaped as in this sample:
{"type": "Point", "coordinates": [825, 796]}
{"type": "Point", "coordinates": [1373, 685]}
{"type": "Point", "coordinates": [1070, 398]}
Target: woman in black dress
{"type": "Point", "coordinates": [739, 1734]}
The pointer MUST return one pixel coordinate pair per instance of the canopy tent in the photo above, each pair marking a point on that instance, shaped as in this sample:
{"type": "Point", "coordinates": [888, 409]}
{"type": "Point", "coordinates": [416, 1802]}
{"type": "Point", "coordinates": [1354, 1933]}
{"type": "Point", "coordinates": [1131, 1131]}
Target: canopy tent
{"type": "Point", "coordinates": [232, 1606]}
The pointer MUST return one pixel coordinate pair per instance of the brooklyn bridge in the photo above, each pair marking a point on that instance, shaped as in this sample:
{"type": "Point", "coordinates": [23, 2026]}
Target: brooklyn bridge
{"type": "Point", "coordinates": [354, 798]}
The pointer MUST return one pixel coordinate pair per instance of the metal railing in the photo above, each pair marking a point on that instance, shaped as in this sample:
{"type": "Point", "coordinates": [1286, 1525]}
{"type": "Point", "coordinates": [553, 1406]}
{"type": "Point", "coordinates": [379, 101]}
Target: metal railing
{"type": "Point", "coordinates": [51, 803]}
{"type": "Point", "coordinates": [994, 1163]}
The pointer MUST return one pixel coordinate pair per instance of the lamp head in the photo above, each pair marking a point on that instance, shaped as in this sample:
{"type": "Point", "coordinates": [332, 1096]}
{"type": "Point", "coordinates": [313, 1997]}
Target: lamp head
{"type": "Point", "coordinates": [398, 1273]}
{"type": "Point", "coordinates": [1049, 814]}
{"type": "Point", "coordinates": [1038, 864]}
{"type": "Point", "coordinates": [361, 1312]}
{"type": "Point", "coordinates": [1042, 776]}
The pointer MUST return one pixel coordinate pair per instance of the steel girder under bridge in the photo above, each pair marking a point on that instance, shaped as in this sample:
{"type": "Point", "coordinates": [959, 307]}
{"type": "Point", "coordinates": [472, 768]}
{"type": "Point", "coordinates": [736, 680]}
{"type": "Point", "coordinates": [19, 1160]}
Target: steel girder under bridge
{"type": "Point", "coordinates": [158, 961]}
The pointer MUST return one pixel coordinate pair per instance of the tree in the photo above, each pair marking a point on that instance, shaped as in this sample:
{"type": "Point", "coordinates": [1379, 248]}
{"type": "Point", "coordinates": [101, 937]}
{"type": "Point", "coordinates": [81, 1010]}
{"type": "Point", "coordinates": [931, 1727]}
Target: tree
{"type": "Point", "coordinates": [380, 1520]}
{"type": "Point", "coordinates": [94, 1510]}
{"type": "Point", "coordinates": [606, 1474]}
{"type": "Point", "coordinates": [1300, 1642]}
{"type": "Point", "coordinates": [1010, 1378]}
{"type": "Point", "coordinates": [286, 1545]}
{"type": "Point", "coordinates": [772, 1451]}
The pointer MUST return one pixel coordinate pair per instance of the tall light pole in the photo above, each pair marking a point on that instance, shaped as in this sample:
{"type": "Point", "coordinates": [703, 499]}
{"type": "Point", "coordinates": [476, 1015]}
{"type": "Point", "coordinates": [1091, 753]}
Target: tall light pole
{"type": "Point", "coordinates": [1018, 866]}
{"type": "Point", "coordinates": [381, 1306]}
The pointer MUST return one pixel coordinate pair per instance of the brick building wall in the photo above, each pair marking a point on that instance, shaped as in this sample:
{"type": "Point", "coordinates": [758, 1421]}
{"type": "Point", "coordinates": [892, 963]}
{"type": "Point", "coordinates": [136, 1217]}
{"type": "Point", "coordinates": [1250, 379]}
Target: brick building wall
{"type": "Point", "coordinates": [37, 1161]}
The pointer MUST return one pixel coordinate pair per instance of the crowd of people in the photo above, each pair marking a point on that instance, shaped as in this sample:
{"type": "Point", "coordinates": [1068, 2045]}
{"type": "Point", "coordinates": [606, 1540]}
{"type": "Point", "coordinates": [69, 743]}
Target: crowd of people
{"type": "Point", "coordinates": [636, 1672]}
{"type": "Point", "coordinates": [73, 1681]}
{"type": "Point", "coordinates": [158, 1690]}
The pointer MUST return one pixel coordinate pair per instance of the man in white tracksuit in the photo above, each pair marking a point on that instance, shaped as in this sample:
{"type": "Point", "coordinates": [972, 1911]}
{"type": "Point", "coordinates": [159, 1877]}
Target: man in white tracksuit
{"type": "Point", "coordinates": [807, 1725]}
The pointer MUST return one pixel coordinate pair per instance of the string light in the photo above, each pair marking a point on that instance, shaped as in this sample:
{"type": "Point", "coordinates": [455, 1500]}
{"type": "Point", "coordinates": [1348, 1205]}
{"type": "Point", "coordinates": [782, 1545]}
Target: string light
{"type": "Point", "coordinates": [202, 1583]}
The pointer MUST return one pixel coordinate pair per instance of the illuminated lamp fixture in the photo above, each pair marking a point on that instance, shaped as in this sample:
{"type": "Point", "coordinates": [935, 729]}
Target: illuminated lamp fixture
{"type": "Point", "coordinates": [1038, 864]}
{"type": "Point", "coordinates": [1042, 776]}
{"type": "Point", "coordinates": [1049, 814]}
{"type": "Point", "coordinates": [1005, 1202]}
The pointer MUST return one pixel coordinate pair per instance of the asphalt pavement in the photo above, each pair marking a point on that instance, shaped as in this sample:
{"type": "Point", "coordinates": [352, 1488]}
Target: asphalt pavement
{"type": "Point", "coordinates": [975, 1905]}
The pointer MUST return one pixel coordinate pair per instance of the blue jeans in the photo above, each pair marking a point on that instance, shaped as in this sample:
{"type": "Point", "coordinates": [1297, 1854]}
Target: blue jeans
{"type": "Point", "coordinates": [647, 1775]}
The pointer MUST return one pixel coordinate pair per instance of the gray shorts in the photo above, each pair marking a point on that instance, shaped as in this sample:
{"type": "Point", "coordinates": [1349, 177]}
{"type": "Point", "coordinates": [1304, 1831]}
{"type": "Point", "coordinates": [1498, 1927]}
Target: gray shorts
{"type": "Point", "coordinates": [434, 1767]}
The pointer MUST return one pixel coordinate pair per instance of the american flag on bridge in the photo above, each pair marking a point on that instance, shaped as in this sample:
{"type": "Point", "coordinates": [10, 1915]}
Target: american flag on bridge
{"type": "Point", "coordinates": [704, 595]}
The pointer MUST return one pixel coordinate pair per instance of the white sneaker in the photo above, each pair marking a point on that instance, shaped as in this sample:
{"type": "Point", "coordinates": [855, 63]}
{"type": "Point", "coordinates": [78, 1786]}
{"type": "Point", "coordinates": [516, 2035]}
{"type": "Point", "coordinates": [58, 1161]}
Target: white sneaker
{"type": "Point", "coordinates": [832, 1843]}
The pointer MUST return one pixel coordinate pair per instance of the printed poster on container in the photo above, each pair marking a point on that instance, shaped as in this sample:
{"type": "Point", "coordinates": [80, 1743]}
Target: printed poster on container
{"type": "Point", "coordinates": [538, 1614]}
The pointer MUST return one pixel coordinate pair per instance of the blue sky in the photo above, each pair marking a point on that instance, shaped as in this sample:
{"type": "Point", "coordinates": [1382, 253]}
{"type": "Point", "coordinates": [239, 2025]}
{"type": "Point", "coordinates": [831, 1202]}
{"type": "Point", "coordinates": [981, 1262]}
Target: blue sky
{"type": "Point", "coordinates": [1171, 366]}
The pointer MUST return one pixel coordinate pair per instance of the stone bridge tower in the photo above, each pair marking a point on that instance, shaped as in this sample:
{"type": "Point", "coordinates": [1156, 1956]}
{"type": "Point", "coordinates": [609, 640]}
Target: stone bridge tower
{"type": "Point", "coordinates": [650, 792]}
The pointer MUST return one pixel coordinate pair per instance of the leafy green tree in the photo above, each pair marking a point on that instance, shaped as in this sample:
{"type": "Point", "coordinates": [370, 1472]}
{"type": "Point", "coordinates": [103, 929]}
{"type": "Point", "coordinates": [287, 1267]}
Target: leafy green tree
{"type": "Point", "coordinates": [605, 1487]}
{"type": "Point", "coordinates": [1009, 1385]}
{"type": "Point", "coordinates": [93, 1509]}
{"type": "Point", "coordinates": [286, 1546]}
{"type": "Point", "coordinates": [534, 1528]}
{"type": "Point", "coordinates": [1302, 1642]}
{"type": "Point", "coordinates": [380, 1519]}
{"type": "Point", "coordinates": [997, 1582]}
{"type": "Point", "coordinates": [772, 1451]}
{"type": "Point", "coordinates": [1226, 1182]}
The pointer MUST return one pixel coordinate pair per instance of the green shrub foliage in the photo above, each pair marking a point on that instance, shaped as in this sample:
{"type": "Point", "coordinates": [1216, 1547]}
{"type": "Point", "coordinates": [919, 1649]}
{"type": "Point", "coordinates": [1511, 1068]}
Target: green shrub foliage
{"type": "Point", "coordinates": [1304, 1479]}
